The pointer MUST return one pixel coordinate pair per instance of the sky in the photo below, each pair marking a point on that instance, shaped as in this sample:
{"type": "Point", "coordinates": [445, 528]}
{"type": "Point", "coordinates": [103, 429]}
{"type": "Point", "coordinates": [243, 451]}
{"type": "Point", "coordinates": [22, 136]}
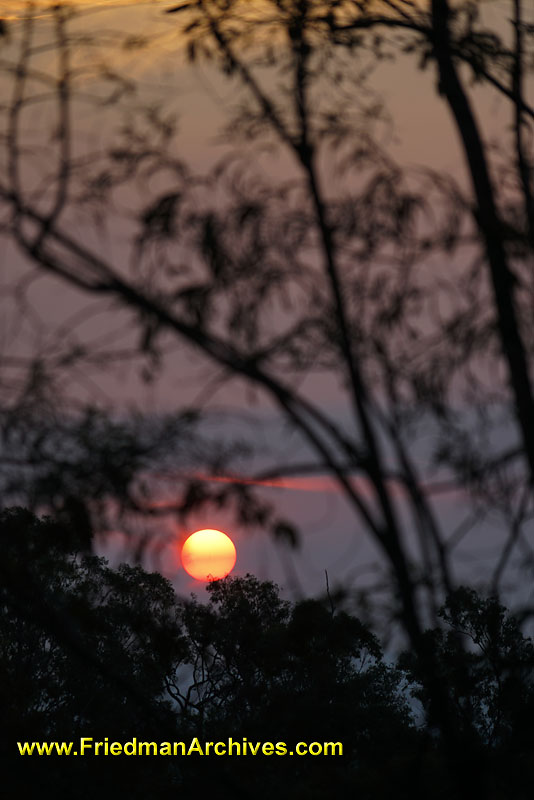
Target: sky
{"type": "Point", "coordinates": [200, 98]}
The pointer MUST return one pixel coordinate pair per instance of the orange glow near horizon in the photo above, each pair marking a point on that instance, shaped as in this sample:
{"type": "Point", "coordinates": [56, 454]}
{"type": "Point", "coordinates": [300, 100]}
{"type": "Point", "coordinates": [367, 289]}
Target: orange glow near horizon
{"type": "Point", "coordinates": [208, 555]}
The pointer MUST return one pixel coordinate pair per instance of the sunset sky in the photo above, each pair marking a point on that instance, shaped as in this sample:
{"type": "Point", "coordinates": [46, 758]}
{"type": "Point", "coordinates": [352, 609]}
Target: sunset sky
{"type": "Point", "coordinates": [154, 57]}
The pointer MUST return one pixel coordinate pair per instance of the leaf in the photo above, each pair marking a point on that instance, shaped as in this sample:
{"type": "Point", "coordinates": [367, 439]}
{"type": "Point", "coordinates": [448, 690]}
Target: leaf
{"type": "Point", "coordinates": [177, 9]}
{"type": "Point", "coordinates": [286, 533]}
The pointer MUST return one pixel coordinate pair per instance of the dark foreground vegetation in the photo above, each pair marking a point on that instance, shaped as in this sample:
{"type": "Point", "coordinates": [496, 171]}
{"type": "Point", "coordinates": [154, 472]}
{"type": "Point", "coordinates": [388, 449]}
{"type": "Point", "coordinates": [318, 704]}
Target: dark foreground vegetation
{"type": "Point", "coordinates": [91, 651]}
{"type": "Point", "coordinates": [378, 311]}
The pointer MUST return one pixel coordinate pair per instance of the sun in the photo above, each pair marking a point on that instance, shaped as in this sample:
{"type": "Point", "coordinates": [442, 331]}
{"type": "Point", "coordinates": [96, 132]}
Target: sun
{"type": "Point", "coordinates": [208, 555]}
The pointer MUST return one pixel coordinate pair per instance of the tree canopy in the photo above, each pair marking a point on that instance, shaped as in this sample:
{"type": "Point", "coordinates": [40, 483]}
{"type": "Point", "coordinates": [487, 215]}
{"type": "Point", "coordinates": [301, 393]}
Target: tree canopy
{"type": "Point", "coordinates": [306, 256]}
{"type": "Point", "coordinates": [88, 650]}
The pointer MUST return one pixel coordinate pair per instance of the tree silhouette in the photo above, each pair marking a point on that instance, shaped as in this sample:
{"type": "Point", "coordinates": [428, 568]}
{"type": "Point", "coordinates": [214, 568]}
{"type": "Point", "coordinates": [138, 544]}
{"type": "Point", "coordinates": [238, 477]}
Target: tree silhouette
{"type": "Point", "coordinates": [114, 653]}
{"type": "Point", "coordinates": [271, 280]}
{"type": "Point", "coordinates": [85, 651]}
{"type": "Point", "coordinates": [490, 682]}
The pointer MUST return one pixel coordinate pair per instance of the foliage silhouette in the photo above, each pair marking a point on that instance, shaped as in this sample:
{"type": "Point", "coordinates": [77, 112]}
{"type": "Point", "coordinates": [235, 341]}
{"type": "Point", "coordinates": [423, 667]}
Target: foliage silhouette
{"type": "Point", "coordinates": [87, 650]}
{"type": "Point", "coordinates": [329, 270]}
{"type": "Point", "coordinates": [490, 683]}
{"type": "Point", "coordinates": [116, 656]}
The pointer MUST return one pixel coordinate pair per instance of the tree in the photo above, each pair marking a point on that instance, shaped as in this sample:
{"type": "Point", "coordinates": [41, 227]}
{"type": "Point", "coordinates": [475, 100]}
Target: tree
{"type": "Point", "coordinates": [491, 682]}
{"type": "Point", "coordinates": [126, 619]}
{"type": "Point", "coordinates": [343, 270]}
{"type": "Point", "coordinates": [265, 666]}
{"type": "Point", "coordinates": [87, 650]}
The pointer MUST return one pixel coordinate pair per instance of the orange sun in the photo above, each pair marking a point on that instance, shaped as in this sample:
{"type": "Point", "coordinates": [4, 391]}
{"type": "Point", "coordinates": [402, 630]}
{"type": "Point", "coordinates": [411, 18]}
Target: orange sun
{"type": "Point", "coordinates": [208, 555]}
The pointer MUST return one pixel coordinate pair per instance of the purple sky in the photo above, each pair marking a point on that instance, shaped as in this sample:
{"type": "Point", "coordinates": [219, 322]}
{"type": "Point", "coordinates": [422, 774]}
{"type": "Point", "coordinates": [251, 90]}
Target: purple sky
{"type": "Point", "coordinates": [423, 135]}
